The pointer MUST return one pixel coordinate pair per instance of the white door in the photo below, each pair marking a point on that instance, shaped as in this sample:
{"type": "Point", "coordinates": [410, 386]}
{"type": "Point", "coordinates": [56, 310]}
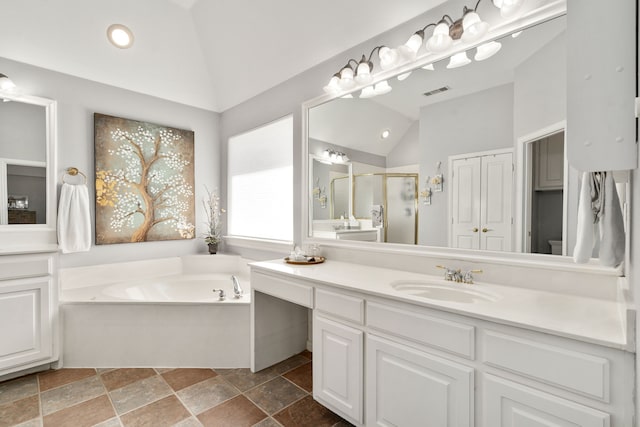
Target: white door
{"type": "Point", "coordinates": [509, 404]}
{"type": "Point", "coordinates": [465, 207]}
{"type": "Point", "coordinates": [25, 335]}
{"type": "Point", "coordinates": [337, 367]}
{"type": "Point", "coordinates": [407, 387]}
{"type": "Point", "coordinates": [481, 202]}
{"type": "Point", "coordinates": [495, 213]}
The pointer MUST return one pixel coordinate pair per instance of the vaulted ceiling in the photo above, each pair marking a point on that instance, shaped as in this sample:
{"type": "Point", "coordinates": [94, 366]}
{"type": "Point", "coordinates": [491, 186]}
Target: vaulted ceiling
{"type": "Point", "coordinates": [211, 54]}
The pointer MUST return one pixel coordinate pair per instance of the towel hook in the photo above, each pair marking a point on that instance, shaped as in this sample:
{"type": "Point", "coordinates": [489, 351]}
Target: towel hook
{"type": "Point", "coordinates": [73, 172]}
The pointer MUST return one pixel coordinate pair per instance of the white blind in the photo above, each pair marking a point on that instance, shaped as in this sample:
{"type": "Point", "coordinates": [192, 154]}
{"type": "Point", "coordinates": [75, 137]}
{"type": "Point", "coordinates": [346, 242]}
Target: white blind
{"type": "Point", "coordinates": [260, 182]}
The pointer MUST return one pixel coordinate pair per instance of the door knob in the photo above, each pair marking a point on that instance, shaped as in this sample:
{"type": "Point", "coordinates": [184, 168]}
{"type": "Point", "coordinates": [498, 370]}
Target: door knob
{"type": "Point", "coordinates": [475, 229]}
{"type": "Point", "coordinates": [484, 230]}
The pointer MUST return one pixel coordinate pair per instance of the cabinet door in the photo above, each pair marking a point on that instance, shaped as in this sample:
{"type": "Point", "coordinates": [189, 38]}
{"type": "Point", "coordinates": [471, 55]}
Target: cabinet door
{"type": "Point", "coordinates": [408, 387]}
{"type": "Point", "coordinates": [337, 367]}
{"type": "Point", "coordinates": [508, 404]}
{"type": "Point", "coordinates": [25, 334]}
{"type": "Point", "coordinates": [550, 163]}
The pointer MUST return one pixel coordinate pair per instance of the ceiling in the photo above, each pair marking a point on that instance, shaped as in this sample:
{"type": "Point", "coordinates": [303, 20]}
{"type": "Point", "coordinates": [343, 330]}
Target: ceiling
{"type": "Point", "coordinates": [212, 54]}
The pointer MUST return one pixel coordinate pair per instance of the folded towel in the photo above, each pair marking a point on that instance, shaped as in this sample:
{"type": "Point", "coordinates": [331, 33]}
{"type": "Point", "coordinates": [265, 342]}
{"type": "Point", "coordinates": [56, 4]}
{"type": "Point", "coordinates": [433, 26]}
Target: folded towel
{"type": "Point", "coordinates": [74, 219]}
{"type": "Point", "coordinates": [598, 204]}
{"type": "Point", "coordinates": [611, 223]}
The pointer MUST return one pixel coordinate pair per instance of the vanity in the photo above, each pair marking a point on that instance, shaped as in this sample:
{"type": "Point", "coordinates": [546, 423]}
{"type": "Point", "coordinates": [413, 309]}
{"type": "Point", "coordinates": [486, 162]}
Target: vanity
{"type": "Point", "coordinates": [399, 348]}
{"type": "Point", "coordinates": [29, 336]}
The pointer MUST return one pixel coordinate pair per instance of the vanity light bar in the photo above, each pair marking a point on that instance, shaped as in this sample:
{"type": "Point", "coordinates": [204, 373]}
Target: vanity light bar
{"type": "Point", "coordinates": [469, 28]}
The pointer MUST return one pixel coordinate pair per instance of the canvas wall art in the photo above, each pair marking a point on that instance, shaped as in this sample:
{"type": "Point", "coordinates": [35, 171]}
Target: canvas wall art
{"type": "Point", "coordinates": [144, 181]}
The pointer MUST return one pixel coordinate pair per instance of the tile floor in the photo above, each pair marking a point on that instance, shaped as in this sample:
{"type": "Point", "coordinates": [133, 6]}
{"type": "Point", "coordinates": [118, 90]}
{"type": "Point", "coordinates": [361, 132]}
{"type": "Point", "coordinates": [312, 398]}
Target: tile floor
{"type": "Point", "coordinates": [276, 396]}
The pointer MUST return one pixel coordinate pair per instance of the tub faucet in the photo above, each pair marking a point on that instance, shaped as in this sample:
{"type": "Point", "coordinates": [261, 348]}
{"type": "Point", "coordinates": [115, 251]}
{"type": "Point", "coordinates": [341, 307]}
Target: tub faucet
{"type": "Point", "coordinates": [221, 294]}
{"type": "Point", "coordinates": [237, 290]}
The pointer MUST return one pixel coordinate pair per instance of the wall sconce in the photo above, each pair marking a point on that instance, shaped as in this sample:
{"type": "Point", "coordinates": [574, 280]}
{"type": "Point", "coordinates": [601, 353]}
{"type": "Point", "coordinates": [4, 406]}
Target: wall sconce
{"type": "Point", "coordinates": [469, 28]}
{"type": "Point", "coordinates": [335, 156]}
{"type": "Point", "coordinates": [438, 179]}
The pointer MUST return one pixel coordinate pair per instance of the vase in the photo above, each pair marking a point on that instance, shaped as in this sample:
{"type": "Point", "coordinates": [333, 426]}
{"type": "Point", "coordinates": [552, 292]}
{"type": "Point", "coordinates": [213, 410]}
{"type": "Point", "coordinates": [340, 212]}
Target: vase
{"type": "Point", "coordinates": [213, 248]}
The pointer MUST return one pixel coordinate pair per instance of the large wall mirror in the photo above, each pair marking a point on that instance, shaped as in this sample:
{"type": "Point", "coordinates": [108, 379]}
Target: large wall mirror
{"type": "Point", "coordinates": [27, 164]}
{"type": "Point", "coordinates": [480, 149]}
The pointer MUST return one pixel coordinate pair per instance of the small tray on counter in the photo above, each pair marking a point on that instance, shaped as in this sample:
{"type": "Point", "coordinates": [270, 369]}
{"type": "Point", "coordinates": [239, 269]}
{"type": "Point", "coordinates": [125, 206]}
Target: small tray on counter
{"type": "Point", "coordinates": [309, 261]}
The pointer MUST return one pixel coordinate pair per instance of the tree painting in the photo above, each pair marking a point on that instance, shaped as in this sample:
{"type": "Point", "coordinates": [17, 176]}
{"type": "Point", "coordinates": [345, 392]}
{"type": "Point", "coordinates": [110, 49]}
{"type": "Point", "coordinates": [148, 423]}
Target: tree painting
{"type": "Point", "coordinates": [144, 181]}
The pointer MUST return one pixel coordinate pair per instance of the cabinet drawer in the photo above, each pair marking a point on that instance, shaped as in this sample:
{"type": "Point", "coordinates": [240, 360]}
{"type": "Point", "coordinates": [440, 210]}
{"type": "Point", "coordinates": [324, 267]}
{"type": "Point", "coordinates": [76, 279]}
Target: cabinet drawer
{"type": "Point", "coordinates": [285, 289]}
{"type": "Point", "coordinates": [344, 306]}
{"type": "Point", "coordinates": [578, 372]}
{"type": "Point", "coordinates": [17, 267]}
{"type": "Point", "coordinates": [513, 404]}
{"type": "Point", "coordinates": [456, 338]}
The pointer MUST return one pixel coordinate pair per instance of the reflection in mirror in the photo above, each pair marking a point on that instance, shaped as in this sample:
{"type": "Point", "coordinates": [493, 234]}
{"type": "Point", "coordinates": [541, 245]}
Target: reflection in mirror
{"type": "Point", "coordinates": [23, 152]}
{"type": "Point", "coordinates": [476, 126]}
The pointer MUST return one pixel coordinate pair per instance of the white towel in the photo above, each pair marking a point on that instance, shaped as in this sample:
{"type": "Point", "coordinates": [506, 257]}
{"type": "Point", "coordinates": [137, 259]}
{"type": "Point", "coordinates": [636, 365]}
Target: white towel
{"type": "Point", "coordinates": [584, 238]}
{"type": "Point", "coordinates": [74, 219]}
{"type": "Point", "coordinates": [611, 226]}
{"type": "Point", "coordinates": [598, 203]}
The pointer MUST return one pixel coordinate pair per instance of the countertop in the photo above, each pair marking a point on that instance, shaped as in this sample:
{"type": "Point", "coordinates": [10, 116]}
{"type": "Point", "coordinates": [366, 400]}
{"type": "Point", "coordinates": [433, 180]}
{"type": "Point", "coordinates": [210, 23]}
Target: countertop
{"type": "Point", "coordinates": [583, 318]}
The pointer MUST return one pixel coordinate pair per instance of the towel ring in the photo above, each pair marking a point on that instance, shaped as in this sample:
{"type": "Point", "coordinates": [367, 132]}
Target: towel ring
{"type": "Point", "coordinates": [73, 172]}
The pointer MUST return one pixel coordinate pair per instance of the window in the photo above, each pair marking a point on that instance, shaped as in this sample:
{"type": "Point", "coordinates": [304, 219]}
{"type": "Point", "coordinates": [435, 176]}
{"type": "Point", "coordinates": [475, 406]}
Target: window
{"type": "Point", "coordinates": [260, 182]}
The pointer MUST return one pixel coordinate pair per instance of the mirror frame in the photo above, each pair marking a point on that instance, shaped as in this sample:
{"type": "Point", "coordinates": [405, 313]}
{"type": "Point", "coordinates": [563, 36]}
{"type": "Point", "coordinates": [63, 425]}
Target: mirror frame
{"type": "Point", "coordinates": [13, 236]}
{"type": "Point", "coordinates": [547, 11]}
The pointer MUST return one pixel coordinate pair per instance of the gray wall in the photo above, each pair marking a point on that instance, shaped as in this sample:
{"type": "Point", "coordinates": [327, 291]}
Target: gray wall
{"type": "Point", "coordinates": [478, 122]}
{"type": "Point", "coordinates": [77, 100]}
{"type": "Point", "coordinates": [407, 150]}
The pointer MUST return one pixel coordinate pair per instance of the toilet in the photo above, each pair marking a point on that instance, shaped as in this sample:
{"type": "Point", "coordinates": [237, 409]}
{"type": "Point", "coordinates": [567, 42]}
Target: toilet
{"type": "Point", "coordinates": [556, 247]}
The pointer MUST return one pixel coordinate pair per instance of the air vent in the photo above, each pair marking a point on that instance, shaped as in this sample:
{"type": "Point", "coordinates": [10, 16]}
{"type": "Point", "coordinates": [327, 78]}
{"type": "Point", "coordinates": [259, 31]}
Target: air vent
{"type": "Point", "coordinates": [436, 91]}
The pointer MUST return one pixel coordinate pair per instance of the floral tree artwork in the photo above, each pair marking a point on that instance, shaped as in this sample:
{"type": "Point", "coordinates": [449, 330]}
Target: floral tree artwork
{"type": "Point", "coordinates": [144, 181]}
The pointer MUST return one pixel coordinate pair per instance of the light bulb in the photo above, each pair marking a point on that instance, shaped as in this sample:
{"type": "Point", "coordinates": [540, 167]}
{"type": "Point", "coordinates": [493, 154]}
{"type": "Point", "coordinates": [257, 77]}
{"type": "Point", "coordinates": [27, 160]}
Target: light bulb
{"type": "Point", "coordinates": [368, 92]}
{"type": "Point", "coordinates": [487, 50]}
{"type": "Point", "coordinates": [458, 60]}
{"type": "Point", "coordinates": [429, 67]}
{"type": "Point", "coordinates": [508, 8]}
{"type": "Point", "coordinates": [440, 40]}
{"type": "Point", "coordinates": [332, 87]}
{"type": "Point", "coordinates": [404, 76]}
{"type": "Point", "coordinates": [120, 36]}
{"type": "Point", "coordinates": [346, 81]}
{"type": "Point", "coordinates": [405, 55]}
{"type": "Point", "coordinates": [414, 42]}
{"type": "Point", "coordinates": [388, 58]}
{"type": "Point", "coordinates": [473, 27]}
{"type": "Point", "coordinates": [382, 87]}
{"type": "Point", "coordinates": [363, 72]}
{"type": "Point", "coordinates": [385, 134]}
{"type": "Point", "coordinates": [6, 84]}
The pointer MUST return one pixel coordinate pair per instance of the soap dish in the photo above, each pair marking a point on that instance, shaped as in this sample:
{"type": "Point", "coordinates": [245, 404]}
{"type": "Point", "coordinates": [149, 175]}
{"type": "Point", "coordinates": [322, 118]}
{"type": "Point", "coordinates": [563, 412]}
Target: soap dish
{"type": "Point", "coordinates": [308, 261]}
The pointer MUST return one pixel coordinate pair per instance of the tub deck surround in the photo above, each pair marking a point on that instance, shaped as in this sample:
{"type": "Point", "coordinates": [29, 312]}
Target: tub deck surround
{"type": "Point", "coordinates": [156, 313]}
{"type": "Point", "coordinates": [597, 316]}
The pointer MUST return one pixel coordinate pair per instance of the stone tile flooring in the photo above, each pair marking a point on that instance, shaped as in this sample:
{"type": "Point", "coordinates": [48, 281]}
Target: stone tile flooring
{"type": "Point", "coordinates": [276, 396]}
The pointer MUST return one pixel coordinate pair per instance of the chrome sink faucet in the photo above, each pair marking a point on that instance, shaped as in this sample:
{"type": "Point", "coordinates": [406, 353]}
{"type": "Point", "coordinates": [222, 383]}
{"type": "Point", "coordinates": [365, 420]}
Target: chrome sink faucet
{"type": "Point", "coordinates": [456, 275]}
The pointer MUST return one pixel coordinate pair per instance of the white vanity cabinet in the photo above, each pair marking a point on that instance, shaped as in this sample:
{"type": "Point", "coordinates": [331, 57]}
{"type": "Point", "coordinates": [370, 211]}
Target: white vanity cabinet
{"type": "Point", "coordinates": [388, 361]}
{"type": "Point", "coordinates": [28, 312]}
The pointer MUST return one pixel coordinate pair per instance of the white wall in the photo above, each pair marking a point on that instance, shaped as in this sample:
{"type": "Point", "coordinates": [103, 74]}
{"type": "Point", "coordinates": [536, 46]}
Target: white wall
{"type": "Point", "coordinates": [488, 125]}
{"type": "Point", "coordinates": [77, 100]}
{"type": "Point", "coordinates": [407, 150]}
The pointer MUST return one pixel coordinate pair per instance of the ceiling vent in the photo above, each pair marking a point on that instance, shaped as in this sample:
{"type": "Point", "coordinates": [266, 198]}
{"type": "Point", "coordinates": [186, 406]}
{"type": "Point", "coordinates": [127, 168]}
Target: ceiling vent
{"type": "Point", "coordinates": [436, 91]}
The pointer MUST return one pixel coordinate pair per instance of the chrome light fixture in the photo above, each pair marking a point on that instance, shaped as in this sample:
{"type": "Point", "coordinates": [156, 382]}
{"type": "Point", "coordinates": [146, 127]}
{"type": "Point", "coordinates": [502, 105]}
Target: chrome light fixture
{"type": "Point", "coordinates": [335, 156]}
{"type": "Point", "coordinates": [468, 29]}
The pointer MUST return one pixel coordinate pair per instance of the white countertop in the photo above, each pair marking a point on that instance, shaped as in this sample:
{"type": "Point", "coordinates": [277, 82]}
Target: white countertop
{"type": "Point", "coordinates": [582, 318]}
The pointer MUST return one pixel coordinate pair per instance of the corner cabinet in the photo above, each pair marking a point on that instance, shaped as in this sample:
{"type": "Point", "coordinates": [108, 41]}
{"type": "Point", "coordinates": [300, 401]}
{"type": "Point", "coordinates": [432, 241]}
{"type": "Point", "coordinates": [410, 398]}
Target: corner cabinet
{"type": "Point", "coordinates": [28, 312]}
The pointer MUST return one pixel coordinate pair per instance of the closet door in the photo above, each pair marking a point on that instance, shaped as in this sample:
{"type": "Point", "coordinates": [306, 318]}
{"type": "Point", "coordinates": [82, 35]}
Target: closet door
{"type": "Point", "coordinates": [495, 212]}
{"type": "Point", "coordinates": [465, 206]}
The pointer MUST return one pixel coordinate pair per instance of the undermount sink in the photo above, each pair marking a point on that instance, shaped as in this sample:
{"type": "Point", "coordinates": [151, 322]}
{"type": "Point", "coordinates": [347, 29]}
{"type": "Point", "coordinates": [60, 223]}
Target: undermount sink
{"type": "Point", "coordinates": [454, 292]}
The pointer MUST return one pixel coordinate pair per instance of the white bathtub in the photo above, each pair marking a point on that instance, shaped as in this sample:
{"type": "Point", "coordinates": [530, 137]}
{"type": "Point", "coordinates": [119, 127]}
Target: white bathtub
{"type": "Point", "coordinates": [157, 313]}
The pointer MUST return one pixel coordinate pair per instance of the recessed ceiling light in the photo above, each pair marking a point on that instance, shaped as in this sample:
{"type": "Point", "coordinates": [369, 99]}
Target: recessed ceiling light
{"type": "Point", "coordinates": [385, 134]}
{"type": "Point", "coordinates": [120, 36]}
